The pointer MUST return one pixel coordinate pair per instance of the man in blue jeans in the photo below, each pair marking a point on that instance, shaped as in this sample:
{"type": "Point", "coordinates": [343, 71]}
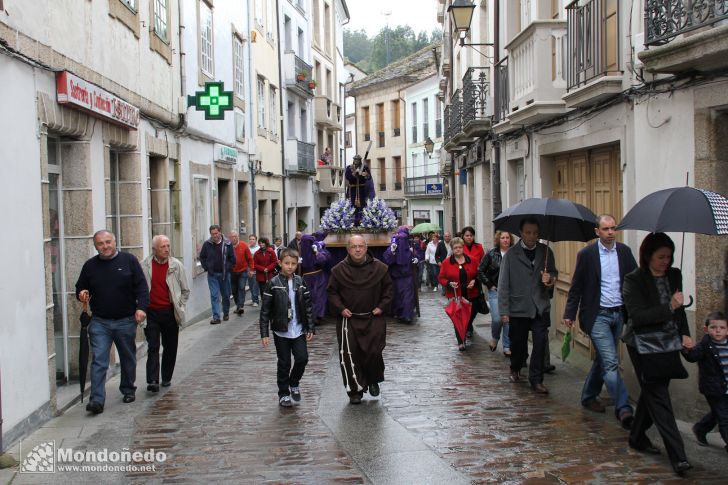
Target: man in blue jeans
{"type": "Point", "coordinates": [217, 257]}
{"type": "Point", "coordinates": [596, 290]}
{"type": "Point", "coordinates": [114, 285]}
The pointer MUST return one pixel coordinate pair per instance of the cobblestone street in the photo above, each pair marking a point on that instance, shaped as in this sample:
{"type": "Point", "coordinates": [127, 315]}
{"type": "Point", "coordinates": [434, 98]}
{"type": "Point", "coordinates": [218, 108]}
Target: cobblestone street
{"type": "Point", "coordinates": [443, 417]}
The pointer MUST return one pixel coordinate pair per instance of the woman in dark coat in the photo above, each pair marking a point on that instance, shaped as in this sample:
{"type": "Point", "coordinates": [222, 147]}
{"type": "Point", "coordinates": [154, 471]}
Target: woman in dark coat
{"type": "Point", "coordinates": [458, 275]}
{"type": "Point", "coordinates": [656, 332]}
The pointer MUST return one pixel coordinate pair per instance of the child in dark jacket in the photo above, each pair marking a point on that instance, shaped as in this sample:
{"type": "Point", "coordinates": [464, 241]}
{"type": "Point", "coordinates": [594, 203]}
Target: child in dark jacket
{"type": "Point", "coordinates": [288, 311]}
{"type": "Point", "coordinates": [711, 354]}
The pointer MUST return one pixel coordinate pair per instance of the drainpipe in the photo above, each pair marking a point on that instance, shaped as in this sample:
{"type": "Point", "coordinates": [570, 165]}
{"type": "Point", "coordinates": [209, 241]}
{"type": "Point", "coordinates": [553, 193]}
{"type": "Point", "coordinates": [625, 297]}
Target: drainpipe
{"type": "Point", "coordinates": [6, 461]}
{"type": "Point", "coordinates": [1, 415]}
{"type": "Point", "coordinates": [251, 161]}
{"type": "Point", "coordinates": [453, 187]}
{"type": "Point", "coordinates": [496, 180]}
{"type": "Point", "coordinates": [280, 118]}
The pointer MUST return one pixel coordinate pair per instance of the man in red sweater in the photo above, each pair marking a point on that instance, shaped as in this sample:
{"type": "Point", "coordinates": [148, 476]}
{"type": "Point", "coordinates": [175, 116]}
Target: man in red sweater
{"type": "Point", "coordinates": [242, 270]}
{"type": "Point", "coordinates": [168, 294]}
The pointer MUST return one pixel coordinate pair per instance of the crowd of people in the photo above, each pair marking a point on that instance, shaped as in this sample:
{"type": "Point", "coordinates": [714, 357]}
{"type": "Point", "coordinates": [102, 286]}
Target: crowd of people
{"type": "Point", "coordinates": [613, 297]}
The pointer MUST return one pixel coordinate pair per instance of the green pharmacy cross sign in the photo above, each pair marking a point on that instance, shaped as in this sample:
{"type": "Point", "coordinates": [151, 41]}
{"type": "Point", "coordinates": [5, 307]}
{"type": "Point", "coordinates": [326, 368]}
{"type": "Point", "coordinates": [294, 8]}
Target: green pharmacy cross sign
{"type": "Point", "coordinates": [213, 101]}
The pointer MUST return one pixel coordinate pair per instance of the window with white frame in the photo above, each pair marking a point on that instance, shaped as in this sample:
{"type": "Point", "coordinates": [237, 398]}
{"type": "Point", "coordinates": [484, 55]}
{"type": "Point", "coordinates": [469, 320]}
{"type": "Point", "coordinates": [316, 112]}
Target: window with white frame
{"type": "Point", "coordinates": [438, 117]}
{"type": "Point", "coordinates": [201, 204]}
{"type": "Point", "coordinates": [206, 47]}
{"type": "Point", "coordinates": [238, 67]}
{"type": "Point", "coordinates": [261, 103]}
{"type": "Point", "coordinates": [270, 20]}
{"type": "Point", "coordinates": [273, 100]}
{"type": "Point", "coordinates": [425, 118]}
{"type": "Point", "coordinates": [239, 126]}
{"type": "Point", "coordinates": [132, 4]}
{"type": "Point", "coordinates": [259, 13]}
{"type": "Point", "coordinates": [414, 122]}
{"type": "Point", "coordinates": [160, 19]}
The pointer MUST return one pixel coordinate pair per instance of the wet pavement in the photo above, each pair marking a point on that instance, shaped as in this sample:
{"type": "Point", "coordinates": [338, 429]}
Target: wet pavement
{"type": "Point", "coordinates": [443, 417]}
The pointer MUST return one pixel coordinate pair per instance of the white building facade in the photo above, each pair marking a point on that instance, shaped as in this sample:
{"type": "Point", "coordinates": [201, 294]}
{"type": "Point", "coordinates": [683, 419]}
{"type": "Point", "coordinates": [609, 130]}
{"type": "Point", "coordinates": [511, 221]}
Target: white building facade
{"type": "Point", "coordinates": [89, 140]}
{"type": "Point", "coordinates": [423, 185]}
{"type": "Point", "coordinates": [215, 152]}
{"type": "Point", "coordinates": [603, 127]}
{"type": "Point", "coordinates": [297, 76]}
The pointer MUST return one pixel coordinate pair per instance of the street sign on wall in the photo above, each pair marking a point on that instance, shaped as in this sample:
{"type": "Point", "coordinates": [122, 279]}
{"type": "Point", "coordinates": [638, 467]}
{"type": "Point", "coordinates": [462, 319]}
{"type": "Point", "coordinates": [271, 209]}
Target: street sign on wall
{"type": "Point", "coordinates": [434, 189]}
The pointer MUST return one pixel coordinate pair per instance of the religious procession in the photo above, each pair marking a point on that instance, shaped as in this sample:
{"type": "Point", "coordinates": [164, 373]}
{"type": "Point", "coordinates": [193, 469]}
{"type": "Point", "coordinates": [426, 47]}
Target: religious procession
{"type": "Point", "coordinates": [292, 242]}
{"type": "Point", "coordinates": [362, 273]}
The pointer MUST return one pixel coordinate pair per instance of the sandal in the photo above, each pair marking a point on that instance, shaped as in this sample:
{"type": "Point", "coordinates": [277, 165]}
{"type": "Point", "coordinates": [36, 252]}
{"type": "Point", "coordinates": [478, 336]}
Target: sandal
{"type": "Point", "coordinates": [461, 348]}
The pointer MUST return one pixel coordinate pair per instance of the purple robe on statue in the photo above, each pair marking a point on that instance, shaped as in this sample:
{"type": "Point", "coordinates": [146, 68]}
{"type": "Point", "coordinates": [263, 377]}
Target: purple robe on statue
{"type": "Point", "coordinates": [314, 268]}
{"type": "Point", "coordinates": [359, 189]}
{"type": "Point", "coordinates": [400, 271]}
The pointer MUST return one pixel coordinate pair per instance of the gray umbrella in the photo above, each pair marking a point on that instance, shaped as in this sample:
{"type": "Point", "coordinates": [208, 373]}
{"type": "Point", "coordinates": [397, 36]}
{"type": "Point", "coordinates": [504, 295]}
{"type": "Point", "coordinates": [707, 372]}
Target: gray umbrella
{"type": "Point", "coordinates": [680, 209]}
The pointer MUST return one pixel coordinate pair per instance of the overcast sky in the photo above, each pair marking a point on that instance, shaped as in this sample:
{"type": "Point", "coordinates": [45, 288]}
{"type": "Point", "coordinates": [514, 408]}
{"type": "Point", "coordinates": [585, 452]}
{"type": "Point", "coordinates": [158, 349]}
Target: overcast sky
{"type": "Point", "coordinates": [369, 14]}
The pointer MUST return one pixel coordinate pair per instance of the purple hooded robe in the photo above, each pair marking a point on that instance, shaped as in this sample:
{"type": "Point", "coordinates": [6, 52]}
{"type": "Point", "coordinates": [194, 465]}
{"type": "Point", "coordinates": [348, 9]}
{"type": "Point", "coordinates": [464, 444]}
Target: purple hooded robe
{"type": "Point", "coordinates": [400, 271]}
{"type": "Point", "coordinates": [315, 271]}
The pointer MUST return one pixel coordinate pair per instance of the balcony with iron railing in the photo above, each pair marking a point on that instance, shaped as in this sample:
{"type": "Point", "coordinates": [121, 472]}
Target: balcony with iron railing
{"type": "Point", "coordinates": [306, 157]}
{"type": "Point", "coordinates": [297, 74]}
{"type": "Point", "coordinates": [536, 73]}
{"type": "Point", "coordinates": [477, 108]}
{"type": "Point", "coordinates": [327, 113]}
{"type": "Point", "coordinates": [423, 186]}
{"type": "Point", "coordinates": [455, 138]}
{"type": "Point", "coordinates": [301, 158]}
{"type": "Point", "coordinates": [447, 117]}
{"type": "Point", "coordinates": [331, 179]}
{"type": "Point", "coordinates": [685, 35]}
{"type": "Point", "coordinates": [592, 52]}
{"type": "Point", "coordinates": [501, 91]}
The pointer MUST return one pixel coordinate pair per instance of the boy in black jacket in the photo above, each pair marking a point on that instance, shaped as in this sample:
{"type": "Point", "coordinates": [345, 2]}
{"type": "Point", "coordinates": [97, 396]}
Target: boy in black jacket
{"type": "Point", "coordinates": [711, 353]}
{"type": "Point", "coordinates": [286, 308]}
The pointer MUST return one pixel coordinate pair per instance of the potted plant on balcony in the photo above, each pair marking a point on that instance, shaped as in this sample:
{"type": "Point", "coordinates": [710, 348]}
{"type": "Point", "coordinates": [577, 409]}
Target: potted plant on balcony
{"type": "Point", "coordinates": [301, 76]}
{"type": "Point", "coordinates": [312, 84]}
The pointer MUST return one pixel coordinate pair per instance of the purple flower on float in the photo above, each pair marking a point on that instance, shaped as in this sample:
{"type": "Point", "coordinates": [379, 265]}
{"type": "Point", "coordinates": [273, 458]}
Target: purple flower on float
{"type": "Point", "coordinates": [339, 217]}
{"type": "Point", "coordinates": [376, 216]}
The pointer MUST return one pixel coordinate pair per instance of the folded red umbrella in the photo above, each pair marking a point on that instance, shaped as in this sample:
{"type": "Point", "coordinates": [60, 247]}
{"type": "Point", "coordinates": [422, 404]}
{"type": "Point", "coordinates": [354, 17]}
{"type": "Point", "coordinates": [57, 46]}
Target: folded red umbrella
{"type": "Point", "coordinates": [459, 312]}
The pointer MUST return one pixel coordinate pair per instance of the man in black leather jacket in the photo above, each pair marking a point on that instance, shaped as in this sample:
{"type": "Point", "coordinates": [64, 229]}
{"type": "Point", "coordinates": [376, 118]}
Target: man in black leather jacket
{"type": "Point", "coordinates": [287, 309]}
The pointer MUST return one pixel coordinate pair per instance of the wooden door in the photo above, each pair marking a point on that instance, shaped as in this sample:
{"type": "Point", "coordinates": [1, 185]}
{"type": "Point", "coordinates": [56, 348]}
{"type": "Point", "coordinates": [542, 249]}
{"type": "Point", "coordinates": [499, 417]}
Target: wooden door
{"type": "Point", "coordinates": [591, 178]}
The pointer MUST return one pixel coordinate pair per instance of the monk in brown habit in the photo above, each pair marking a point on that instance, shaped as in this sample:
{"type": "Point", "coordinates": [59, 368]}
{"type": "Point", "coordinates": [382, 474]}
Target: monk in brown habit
{"type": "Point", "coordinates": [360, 291]}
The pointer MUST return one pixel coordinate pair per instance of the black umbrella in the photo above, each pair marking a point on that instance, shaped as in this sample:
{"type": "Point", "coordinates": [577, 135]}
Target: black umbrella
{"type": "Point", "coordinates": [680, 209]}
{"type": "Point", "coordinates": [558, 219]}
{"type": "Point", "coordinates": [83, 351]}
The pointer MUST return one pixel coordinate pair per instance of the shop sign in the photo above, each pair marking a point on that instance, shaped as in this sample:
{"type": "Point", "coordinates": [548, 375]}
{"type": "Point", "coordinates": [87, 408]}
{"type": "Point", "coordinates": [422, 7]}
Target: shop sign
{"type": "Point", "coordinates": [213, 100]}
{"type": "Point", "coordinates": [225, 154]}
{"type": "Point", "coordinates": [73, 91]}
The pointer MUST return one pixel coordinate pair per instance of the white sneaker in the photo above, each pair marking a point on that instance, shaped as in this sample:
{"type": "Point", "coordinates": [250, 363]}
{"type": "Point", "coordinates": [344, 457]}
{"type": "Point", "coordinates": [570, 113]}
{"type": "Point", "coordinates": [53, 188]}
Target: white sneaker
{"type": "Point", "coordinates": [255, 304]}
{"type": "Point", "coordinates": [434, 289]}
{"type": "Point", "coordinates": [285, 401]}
